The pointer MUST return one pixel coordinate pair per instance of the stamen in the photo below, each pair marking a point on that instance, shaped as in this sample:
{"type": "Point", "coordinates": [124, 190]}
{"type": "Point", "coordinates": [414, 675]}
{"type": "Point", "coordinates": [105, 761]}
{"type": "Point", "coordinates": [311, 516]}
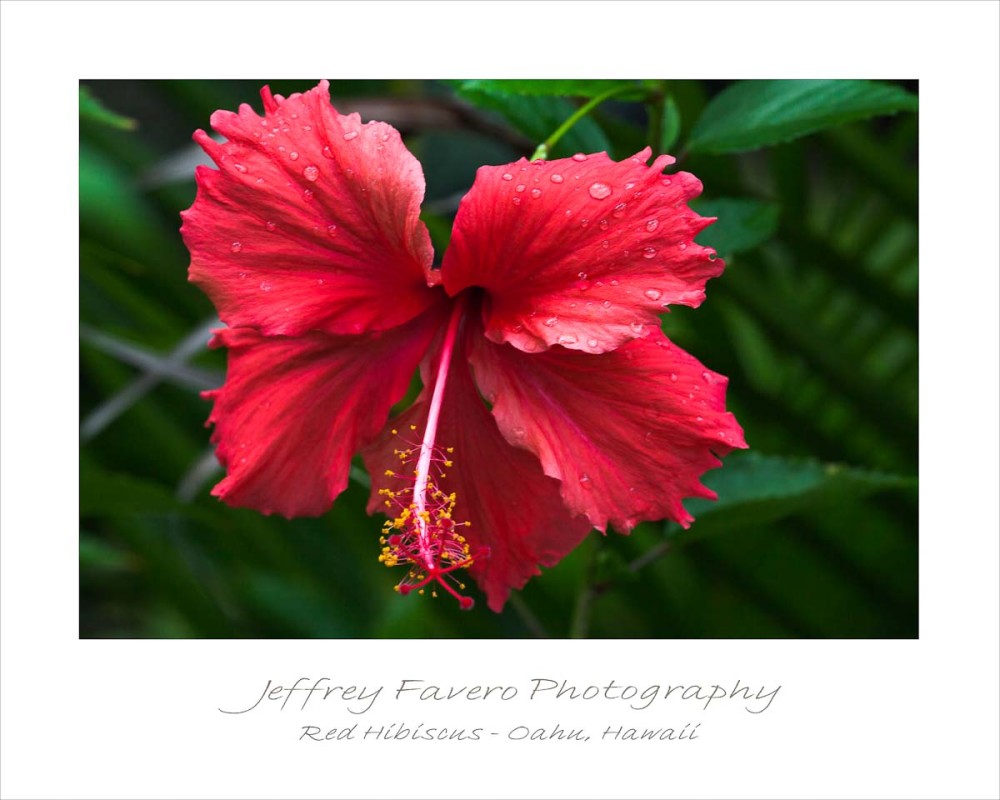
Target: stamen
{"type": "Point", "coordinates": [423, 534]}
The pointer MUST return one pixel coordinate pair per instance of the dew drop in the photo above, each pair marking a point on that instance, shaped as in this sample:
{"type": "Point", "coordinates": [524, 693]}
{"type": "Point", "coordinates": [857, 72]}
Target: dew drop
{"type": "Point", "coordinates": [518, 432]}
{"type": "Point", "coordinates": [606, 304]}
{"type": "Point", "coordinates": [265, 286]}
{"type": "Point", "coordinates": [649, 252]}
{"type": "Point", "coordinates": [236, 247]}
{"type": "Point", "coordinates": [242, 276]}
{"type": "Point", "coordinates": [604, 224]}
{"type": "Point", "coordinates": [385, 137]}
{"type": "Point", "coordinates": [583, 284]}
{"type": "Point", "coordinates": [584, 223]}
{"type": "Point", "coordinates": [585, 480]}
{"type": "Point", "coordinates": [308, 194]}
{"type": "Point", "coordinates": [551, 322]}
{"type": "Point", "coordinates": [328, 152]}
{"type": "Point", "coordinates": [618, 210]}
{"type": "Point", "coordinates": [682, 246]}
{"type": "Point", "coordinates": [652, 225]}
{"type": "Point", "coordinates": [350, 135]}
{"type": "Point", "coordinates": [599, 190]}
{"type": "Point", "coordinates": [294, 156]}
{"type": "Point", "coordinates": [307, 128]}
{"type": "Point", "coordinates": [556, 178]}
{"type": "Point", "coordinates": [579, 157]}
{"type": "Point", "coordinates": [592, 342]}
{"type": "Point", "coordinates": [536, 193]}
{"type": "Point", "coordinates": [629, 185]}
{"type": "Point", "coordinates": [519, 187]}
{"type": "Point", "coordinates": [636, 327]}
{"type": "Point", "coordinates": [665, 181]}
{"type": "Point", "coordinates": [614, 281]}
{"type": "Point", "coordinates": [507, 176]}
{"type": "Point", "coordinates": [653, 294]}
{"type": "Point", "coordinates": [331, 230]}
{"type": "Point", "coordinates": [311, 173]}
{"type": "Point", "coordinates": [566, 339]}
{"type": "Point", "coordinates": [516, 200]}
{"type": "Point", "coordinates": [673, 376]}
{"type": "Point", "coordinates": [260, 180]}
{"type": "Point", "coordinates": [270, 225]}
{"type": "Point", "coordinates": [239, 168]}
{"type": "Point", "coordinates": [605, 244]}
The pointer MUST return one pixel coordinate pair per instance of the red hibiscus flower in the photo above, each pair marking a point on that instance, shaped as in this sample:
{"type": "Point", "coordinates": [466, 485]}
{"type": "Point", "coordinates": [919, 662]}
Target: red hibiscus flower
{"type": "Point", "coordinates": [552, 401]}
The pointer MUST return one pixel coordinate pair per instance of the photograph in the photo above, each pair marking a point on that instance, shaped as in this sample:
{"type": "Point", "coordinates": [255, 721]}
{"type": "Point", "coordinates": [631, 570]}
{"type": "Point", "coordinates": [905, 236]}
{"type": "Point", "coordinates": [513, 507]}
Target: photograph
{"type": "Point", "coordinates": [498, 359]}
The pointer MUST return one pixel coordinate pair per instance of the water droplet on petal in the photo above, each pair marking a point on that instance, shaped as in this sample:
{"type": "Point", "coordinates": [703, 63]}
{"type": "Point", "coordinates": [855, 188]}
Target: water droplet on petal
{"type": "Point", "coordinates": [328, 152]}
{"type": "Point", "coordinates": [507, 176]}
{"type": "Point", "coordinates": [566, 339]}
{"type": "Point", "coordinates": [556, 178]}
{"type": "Point", "coordinates": [518, 432]}
{"type": "Point", "coordinates": [653, 294]}
{"type": "Point", "coordinates": [604, 224]}
{"type": "Point", "coordinates": [652, 225]}
{"type": "Point", "coordinates": [265, 286]}
{"type": "Point", "coordinates": [649, 252]}
{"type": "Point", "coordinates": [331, 230]}
{"type": "Point", "coordinates": [236, 247]}
{"type": "Point", "coordinates": [308, 194]}
{"type": "Point", "coordinates": [579, 157]}
{"type": "Point", "coordinates": [294, 156]}
{"type": "Point", "coordinates": [350, 135]}
{"type": "Point", "coordinates": [582, 284]}
{"type": "Point", "coordinates": [536, 193]}
{"type": "Point", "coordinates": [516, 200]}
{"type": "Point", "coordinates": [606, 304]}
{"type": "Point", "coordinates": [618, 210]}
{"type": "Point", "coordinates": [550, 322]}
{"type": "Point", "coordinates": [585, 480]}
{"type": "Point", "coordinates": [629, 185]}
{"type": "Point", "coordinates": [636, 327]}
{"type": "Point", "coordinates": [584, 223]}
{"type": "Point", "coordinates": [311, 173]}
{"type": "Point", "coordinates": [242, 276]}
{"type": "Point", "coordinates": [605, 244]}
{"type": "Point", "coordinates": [239, 168]}
{"type": "Point", "coordinates": [665, 181]}
{"type": "Point", "coordinates": [599, 190]}
{"type": "Point", "coordinates": [519, 187]}
{"type": "Point", "coordinates": [592, 342]}
{"type": "Point", "coordinates": [270, 225]}
{"type": "Point", "coordinates": [614, 281]}
{"type": "Point", "coordinates": [673, 376]}
{"type": "Point", "coordinates": [682, 246]}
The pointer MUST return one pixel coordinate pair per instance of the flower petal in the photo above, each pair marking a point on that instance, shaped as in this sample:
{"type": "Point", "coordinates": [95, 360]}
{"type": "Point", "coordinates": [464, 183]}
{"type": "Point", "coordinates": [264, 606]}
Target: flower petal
{"type": "Point", "coordinates": [311, 221]}
{"type": "Point", "coordinates": [583, 252]}
{"type": "Point", "coordinates": [293, 411]}
{"type": "Point", "coordinates": [629, 433]}
{"type": "Point", "coordinates": [514, 509]}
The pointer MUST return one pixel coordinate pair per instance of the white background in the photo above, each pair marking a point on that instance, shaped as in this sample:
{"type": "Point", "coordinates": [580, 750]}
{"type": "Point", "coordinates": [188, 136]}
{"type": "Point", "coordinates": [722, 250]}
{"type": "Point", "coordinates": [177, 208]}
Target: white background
{"type": "Point", "coordinates": [853, 719]}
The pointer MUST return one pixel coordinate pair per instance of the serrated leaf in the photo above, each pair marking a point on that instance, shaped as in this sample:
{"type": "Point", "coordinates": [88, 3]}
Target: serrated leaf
{"type": "Point", "coordinates": [741, 224]}
{"type": "Point", "coordinates": [753, 114]}
{"type": "Point", "coordinates": [537, 117]}
{"type": "Point", "coordinates": [92, 110]}
{"type": "Point", "coordinates": [559, 87]}
{"type": "Point", "coordinates": [755, 489]}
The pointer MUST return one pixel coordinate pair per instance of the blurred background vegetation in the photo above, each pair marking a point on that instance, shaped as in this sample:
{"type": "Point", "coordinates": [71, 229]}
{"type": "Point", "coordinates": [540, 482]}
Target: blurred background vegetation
{"type": "Point", "coordinates": [814, 321]}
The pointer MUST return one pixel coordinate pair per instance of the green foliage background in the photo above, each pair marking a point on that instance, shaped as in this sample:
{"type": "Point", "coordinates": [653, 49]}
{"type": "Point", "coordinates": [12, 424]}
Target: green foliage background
{"type": "Point", "coordinates": [814, 321]}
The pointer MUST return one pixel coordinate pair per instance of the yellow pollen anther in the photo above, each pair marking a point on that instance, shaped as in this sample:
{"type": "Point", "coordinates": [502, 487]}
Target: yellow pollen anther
{"type": "Point", "coordinates": [389, 473]}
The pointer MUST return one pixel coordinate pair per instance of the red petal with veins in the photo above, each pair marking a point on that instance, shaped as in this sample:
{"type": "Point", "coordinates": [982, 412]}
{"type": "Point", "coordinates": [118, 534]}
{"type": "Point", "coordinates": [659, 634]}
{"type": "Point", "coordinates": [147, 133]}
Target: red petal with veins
{"type": "Point", "coordinates": [293, 411]}
{"type": "Point", "coordinates": [515, 510]}
{"type": "Point", "coordinates": [311, 221]}
{"type": "Point", "coordinates": [629, 433]}
{"type": "Point", "coordinates": [582, 253]}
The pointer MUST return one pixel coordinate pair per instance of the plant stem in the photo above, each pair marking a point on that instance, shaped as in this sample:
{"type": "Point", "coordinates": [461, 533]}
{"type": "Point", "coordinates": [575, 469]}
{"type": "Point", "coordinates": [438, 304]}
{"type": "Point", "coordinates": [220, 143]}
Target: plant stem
{"type": "Point", "coordinates": [543, 149]}
{"type": "Point", "coordinates": [580, 624]}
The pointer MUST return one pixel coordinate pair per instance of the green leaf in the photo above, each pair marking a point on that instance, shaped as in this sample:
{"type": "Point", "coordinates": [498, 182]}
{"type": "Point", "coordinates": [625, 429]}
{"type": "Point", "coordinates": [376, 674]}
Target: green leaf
{"type": "Point", "coordinates": [756, 490]}
{"type": "Point", "coordinates": [568, 87]}
{"type": "Point", "coordinates": [670, 125]}
{"type": "Point", "coordinates": [753, 114]}
{"type": "Point", "coordinates": [92, 110]}
{"type": "Point", "coordinates": [742, 224]}
{"type": "Point", "coordinates": [537, 117]}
